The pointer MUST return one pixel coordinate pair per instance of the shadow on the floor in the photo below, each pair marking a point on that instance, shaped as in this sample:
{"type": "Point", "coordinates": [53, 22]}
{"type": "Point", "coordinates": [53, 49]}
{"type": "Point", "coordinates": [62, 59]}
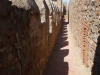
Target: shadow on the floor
{"type": "Point", "coordinates": [96, 66]}
{"type": "Point", "coordinates": [62, 38]}
{"type": "Point", "coordinates": [56, 64]}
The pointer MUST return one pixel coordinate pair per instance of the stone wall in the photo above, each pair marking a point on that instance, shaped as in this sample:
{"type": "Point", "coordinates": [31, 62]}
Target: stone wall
{"type": "Point", "coordinates": [25, 40]}
{"type": "Point", "coordinates": [84, 19]}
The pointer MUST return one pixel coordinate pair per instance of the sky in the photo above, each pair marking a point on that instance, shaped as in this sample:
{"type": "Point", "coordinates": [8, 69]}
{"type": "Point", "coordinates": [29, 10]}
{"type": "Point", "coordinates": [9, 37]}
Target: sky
{"type": "Point", "coordinates": [66, 1]}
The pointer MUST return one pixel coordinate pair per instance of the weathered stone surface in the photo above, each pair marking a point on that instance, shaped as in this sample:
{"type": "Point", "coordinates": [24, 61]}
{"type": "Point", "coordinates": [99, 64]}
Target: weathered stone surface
{"type": "Point", "coordinates": [84, 22]}
{"type": "Point", "coordinates": [4, 7]}
{"type": "Point", "coordinates": [25, 42]}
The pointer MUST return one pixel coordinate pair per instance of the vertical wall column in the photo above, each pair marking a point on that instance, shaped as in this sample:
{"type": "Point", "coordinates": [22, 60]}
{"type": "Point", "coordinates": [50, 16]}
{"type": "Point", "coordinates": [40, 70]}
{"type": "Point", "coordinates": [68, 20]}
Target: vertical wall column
{"type": "Point", "coordinates": [85, 29]}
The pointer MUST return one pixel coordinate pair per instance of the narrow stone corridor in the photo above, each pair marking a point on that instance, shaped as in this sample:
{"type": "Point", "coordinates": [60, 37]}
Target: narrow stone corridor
{"type": "Point", "coordinates": [65, 59]}
{"type": "Point", "coordinates": [49, 37]}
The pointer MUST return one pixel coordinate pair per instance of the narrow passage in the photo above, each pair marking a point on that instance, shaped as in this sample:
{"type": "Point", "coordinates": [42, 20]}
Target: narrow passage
{"type": "Point", "coordinates": [56, 64]}
{"type": "Point", "coordinates": [65, 59]}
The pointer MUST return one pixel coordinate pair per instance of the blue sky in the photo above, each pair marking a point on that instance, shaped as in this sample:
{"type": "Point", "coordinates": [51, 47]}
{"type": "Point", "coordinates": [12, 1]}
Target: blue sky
{"type": "Point", "coordinates": [66, 1]}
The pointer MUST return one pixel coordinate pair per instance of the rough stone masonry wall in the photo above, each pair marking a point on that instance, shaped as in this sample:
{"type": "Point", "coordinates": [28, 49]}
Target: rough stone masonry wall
{"type": "Point", "coordinates": [84, 19]}
{"type": "Point", "coordinates": [25, 42]}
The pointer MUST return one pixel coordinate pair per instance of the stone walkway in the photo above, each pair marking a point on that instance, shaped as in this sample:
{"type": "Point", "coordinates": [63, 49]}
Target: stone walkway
{"type": "Point", "coordinates": [65, 60]}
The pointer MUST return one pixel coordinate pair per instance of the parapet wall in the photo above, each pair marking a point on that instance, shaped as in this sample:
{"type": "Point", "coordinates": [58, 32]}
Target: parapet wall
{"type": "Point", "coordinates": [25, 41]}
{"type": "Point", "coordinates": [84, 19]}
